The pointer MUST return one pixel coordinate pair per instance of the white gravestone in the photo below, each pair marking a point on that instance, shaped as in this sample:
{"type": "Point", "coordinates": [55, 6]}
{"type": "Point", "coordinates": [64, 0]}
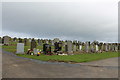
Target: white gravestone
{"type": "Point", "coordinates": [96, 48]}
{"type": "Point", "coordinates": [20, 48]}
{"type": "Point", "coordinates": [106, 47]}
{"type": "Point", "coordinates": [80, 47]}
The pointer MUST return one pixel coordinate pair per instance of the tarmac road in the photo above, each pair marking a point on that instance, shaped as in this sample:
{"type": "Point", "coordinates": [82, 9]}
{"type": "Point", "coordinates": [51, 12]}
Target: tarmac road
{"type": "Point", "coordinates": [16, 67]}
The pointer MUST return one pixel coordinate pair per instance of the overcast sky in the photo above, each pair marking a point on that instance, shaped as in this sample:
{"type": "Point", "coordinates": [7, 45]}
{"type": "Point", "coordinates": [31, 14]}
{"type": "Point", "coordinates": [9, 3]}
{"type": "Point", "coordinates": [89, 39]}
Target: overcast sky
{"type": "Point", "coordinates": [86, 20]}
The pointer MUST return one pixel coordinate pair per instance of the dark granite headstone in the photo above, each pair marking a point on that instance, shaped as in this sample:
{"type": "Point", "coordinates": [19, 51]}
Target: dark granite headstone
{"type": "Point", "coordinates": [46, 48]}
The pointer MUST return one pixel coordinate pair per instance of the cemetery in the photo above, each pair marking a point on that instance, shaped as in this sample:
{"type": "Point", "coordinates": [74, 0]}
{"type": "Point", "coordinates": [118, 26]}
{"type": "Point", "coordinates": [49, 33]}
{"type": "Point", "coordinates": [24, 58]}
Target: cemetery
{"type": "Point", "coordinates": [59, 50]}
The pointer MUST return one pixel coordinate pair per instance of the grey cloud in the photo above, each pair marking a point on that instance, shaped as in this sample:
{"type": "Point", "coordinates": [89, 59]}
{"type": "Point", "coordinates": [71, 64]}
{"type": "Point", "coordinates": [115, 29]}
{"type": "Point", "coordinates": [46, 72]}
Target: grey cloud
{"type": "Point", "coordinates": [69, 20]}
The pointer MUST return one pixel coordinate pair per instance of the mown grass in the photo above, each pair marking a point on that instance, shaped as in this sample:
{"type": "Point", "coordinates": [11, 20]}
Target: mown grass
{"type": "Point", "coordinates": [70, 58]}
{"type": "Point", "coordinates": [73, 58]}
{"type": "Point", "coordinates": [12, 48]}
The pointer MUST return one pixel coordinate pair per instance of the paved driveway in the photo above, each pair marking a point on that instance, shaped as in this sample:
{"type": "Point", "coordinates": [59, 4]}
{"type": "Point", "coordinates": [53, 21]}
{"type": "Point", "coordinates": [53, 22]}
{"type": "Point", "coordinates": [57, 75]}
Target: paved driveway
{"type": "Point", "coordinates": [16, 67]}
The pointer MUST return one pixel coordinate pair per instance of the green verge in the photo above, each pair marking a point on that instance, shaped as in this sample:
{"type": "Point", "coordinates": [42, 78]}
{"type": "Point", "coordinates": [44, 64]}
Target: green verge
{"type": "Point", "coordinates": [70, 58]}
{"type": "Point", "coordinates": [73, 58]}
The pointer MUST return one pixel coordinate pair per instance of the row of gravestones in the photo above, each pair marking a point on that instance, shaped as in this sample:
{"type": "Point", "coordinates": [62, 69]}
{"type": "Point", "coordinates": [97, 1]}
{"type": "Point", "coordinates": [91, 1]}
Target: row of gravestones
{"type": "Point", "coordinates": [71, 47]}
{"type": "Point", "coordinates": [91, 47]}
{"type": "Point", "coordinates": [68, 46]}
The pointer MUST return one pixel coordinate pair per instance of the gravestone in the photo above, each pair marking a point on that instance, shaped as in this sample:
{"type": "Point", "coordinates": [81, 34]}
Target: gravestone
{"type": "Point", "coordinates": [106, 47]}
{"type": "Point", "coordinates": [92, 48]}
{"type": "Point", "coordinates": [96, 47]}
{"type": "Point", "coordinates": [103, 48]}
{"type": "Point", "coordinates": [25, 41]}
{"type": "Point", "coordinates": [69, 43]}
{"type": "Point", "coordinates": [113, 47]}
{"type": "Point", "coordinates": [58, 46]}
{"type": "Point", "coordinates": [87, 44]}
{"type": "Point", "coordinates": [66, 46]}
{"type": "Point", "coordinates": [100, 46]}
{"type": "Point", "coordinates": [46, 48]}
{"type": "Point", "coordinates": [79, 46]}
{"type": "Point", "coordinates": [20, 48]}
{"type": "Point", "coordinates": [74, 47]}
{"type": "Point", "coordinates": [33, 44]}
{"type": "Point", "coordinates": [109, 47]}
{"type": "Point", "coordinates": [6, 40]}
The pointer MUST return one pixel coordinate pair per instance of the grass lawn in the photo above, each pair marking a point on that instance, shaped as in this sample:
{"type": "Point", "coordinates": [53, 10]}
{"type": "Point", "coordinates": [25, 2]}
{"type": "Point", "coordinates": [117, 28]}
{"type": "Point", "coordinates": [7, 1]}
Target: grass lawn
{"type": "Point", "coordinates": [73, 58]}
{"type": "Point", "coordinates": [70, 58]}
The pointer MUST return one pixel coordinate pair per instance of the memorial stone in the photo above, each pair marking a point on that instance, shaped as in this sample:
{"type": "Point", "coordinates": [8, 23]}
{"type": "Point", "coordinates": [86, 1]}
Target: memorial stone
{"type": "Point", "coordinates": [25, 41]}
{"type": "Point", "coordinates": [87, 47]}
{"type": "Point", "coordinates": [33, 44]}
{"type": "Point", "coordinates": [92, 48]}
{"type": "Point", "coordinates": [106, 47]}
{"type": "Point", "coordinates": [6, 40]}
{"type": "Point", "coordinates": [69, 43]}
{"type": "Point", "coordinates": [74, 47]}
{"type": "Point", "coordinates": [20, 48]}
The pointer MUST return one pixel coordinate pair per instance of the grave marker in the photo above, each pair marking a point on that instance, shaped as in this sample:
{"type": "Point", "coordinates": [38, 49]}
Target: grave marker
{"type": "Point", "coordinates": [33, 44]}
{"type": "Point", "coordinates": [20, 48]}
{"type": "Point", "coordinates": [69, 43]}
